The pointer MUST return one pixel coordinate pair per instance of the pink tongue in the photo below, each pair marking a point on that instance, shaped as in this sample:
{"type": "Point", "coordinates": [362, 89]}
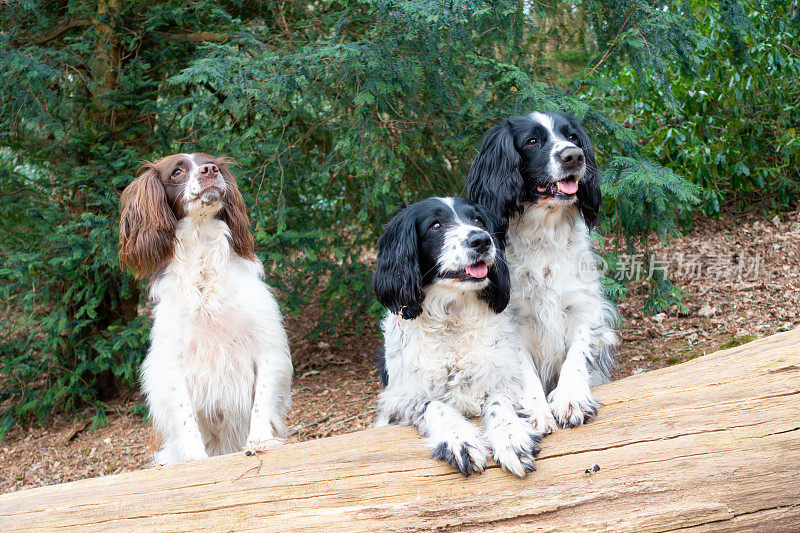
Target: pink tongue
{"type": "Point", "coordinates": [567, 186]}
{"type": "Point", "coordinates": [478, 271]}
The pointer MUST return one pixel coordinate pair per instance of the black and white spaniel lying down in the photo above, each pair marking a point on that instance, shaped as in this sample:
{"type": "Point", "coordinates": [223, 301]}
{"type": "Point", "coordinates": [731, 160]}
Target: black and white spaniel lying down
{"type": "Point", "coordinates": [449, 351]}
{"type": "Point", "coordinates": [538, 173]}
{"type": "Point", "coordinates": [218, 372]}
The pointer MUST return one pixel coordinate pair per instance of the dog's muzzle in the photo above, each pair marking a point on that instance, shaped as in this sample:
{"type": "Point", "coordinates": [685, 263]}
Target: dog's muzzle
{"type": "Point", "coordinates": [481, 249]}
{"type": "Point", "coordinates": [573, 166]}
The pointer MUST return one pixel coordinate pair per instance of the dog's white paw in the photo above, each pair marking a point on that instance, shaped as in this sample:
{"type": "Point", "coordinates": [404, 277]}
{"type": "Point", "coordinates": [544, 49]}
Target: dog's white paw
{"type": "Point", "coordinates": [515, 444]}
{"type": "Point", "coordinates": [572, 407]}
{"type": "Point", "coordinates": [194, 457]}
{"type": "Point", "coordinates": [466, 451]}
{"type": "Point", "coordinates": [261, 438]}
{"type": "Point", "coordinates": [189, 452]}
{"type": "Point", "coordinates": [162, 458]}
{"type": "Point", "coordinates": [540, 416]}
{"type": "Point", "coordinates": [261, 445]}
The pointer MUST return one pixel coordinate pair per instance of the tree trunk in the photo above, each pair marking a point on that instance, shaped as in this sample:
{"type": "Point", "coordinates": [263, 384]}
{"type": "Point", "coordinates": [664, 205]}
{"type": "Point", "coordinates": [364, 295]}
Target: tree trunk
{"type": "Point", "coordinates": [712, 444]}
{"type": "Point", "coordinates": [106, 64]}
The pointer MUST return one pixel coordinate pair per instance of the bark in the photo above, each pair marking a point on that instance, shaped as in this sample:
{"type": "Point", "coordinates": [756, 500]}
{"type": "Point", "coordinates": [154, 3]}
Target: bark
{"type": "Point", "coordinates": [712, 444]}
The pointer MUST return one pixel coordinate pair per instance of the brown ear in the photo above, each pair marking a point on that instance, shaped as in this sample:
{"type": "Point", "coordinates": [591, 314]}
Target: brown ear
{"type": "Point", "coordinates": [147, 225]}
{"type": "Point", "coordinates": [234, 213]}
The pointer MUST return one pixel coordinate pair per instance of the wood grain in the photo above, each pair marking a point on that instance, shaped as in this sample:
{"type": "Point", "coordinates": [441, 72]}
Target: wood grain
{"type": "Point", "coordinates": [712, 444]}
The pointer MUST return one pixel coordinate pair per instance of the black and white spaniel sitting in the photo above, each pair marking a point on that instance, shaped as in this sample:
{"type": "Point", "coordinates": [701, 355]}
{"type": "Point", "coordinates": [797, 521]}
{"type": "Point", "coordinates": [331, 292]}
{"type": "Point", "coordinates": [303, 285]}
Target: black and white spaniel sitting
{"type": "Point", "coordinates": [538, 173]}
{"type": "Point", "coordinates": [218, 372]}
{"type": "Point", "coordinates": [449, 351]}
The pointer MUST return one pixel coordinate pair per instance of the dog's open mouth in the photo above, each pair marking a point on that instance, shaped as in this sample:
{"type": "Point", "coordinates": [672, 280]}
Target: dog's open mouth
{"type": "Point", "coordinates": [564, 188]}
{"type": "Point", "coordinates": [476, 272]}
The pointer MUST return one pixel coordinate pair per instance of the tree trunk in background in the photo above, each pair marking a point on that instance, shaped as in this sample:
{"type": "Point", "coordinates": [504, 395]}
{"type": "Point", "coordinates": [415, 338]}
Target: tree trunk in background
{"type": "Point", "coordinates": [106, 64]}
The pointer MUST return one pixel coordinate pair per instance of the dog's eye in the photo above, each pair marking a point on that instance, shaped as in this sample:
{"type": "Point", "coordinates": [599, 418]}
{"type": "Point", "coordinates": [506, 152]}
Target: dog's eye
{"type": "Point", "coordinates": [573, 138]}
{"type": "Point", "coordinates": [479, 222]}
{"type": "Point", "coordinates": [177, 172]}
{"type": "Point", "coordinates": [436, 226]}
{"type": "Point", "coordinates": [533, 141]}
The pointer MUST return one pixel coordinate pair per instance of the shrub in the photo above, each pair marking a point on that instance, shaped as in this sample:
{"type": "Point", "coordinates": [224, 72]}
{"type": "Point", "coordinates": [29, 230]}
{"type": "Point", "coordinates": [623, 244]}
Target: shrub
{"type": "Point", "coordinates": [731, 124]}
{"type": "Point", "coordinates": [336, 113]}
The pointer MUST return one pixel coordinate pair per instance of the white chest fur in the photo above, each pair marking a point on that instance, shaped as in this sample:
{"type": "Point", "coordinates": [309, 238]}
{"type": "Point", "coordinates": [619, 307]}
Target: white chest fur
{"type": "Point", "coordinates": [457, 351]}
{"type": "Point", "coordinates": [554, 285]}
{"type": "Point", "coordinates": [211, 313]}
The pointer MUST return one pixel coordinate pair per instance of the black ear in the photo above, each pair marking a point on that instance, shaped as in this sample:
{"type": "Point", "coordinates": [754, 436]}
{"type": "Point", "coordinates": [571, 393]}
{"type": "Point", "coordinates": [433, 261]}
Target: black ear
{"type": "Point", "coordinates": [494, 180]}
{"type": "Point", "coordinates": [589, 195]}
{"type": "Point", "coordinates": [498, 292]}
{"type": "Point", "coordinates": [397, 281]}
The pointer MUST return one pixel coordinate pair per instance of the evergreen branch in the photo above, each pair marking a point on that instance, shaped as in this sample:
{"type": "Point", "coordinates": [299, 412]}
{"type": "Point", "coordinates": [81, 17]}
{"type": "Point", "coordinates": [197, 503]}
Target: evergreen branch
{"type": "Point", "coordinates": [282, 18]}
{"type": "Point", "coordinates": [611, 47]}
{"type": "Point", "coordinates": [200, 36]}
{"type": "Point", "coordinates": [615, 44]}
{"type": "Point", "coordinates": [58, 32]}
{"type": "Point", "coordinates": [646, 45]}
{"type": "Point", "coordinates": [15, 192]}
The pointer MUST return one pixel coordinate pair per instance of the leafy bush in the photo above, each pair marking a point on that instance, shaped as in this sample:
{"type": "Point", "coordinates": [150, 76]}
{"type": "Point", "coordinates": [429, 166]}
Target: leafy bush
{"type": "Point", "coordinates": [732, 123]}
{"type": "Point", "coordinates": [336, 113]}
{"type": "Point", "coordinates": [369, 116]}
{"type": "Point", "coordinates": [77, 336]}
{"type": "Point", "coordinates": [77, 114]}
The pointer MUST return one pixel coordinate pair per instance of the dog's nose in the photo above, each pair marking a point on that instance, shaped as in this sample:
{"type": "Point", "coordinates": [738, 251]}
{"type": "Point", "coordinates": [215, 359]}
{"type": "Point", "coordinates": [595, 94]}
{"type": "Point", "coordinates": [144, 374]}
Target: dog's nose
{"type": "Point", "coordinates": [208, 169]}
{"type": "Point", "coordinates": [479, 241]}
{"type": "Point", "coordinates": [571, 157]}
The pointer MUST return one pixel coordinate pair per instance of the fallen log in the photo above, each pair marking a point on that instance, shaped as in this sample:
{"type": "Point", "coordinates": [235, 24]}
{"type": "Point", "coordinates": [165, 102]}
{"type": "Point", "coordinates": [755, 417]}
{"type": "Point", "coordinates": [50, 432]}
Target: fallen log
{"type": "Point", "coordinates": [711, 444]}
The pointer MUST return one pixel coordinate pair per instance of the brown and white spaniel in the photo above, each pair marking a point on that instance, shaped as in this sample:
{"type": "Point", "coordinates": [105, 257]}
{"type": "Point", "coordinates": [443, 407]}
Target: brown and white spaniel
{"type": "Point", "coordinates": [218, 372]}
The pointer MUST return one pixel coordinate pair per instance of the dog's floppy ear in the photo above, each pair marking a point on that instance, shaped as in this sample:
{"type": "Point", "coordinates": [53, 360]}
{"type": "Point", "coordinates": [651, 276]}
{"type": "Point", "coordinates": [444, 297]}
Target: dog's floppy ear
{"type": "Point", "coordinates": [147, 224]}
{"type": "Point", "coordinates": [589, 195]}
{"type": "Point", "coordinates": [397, 281]}
{"type": "Point", "coordinates": [494, 180]}
{"type": "Point", "coordinates": [498, 293]}
{"type": "Point", "coordinates": [234, 213]}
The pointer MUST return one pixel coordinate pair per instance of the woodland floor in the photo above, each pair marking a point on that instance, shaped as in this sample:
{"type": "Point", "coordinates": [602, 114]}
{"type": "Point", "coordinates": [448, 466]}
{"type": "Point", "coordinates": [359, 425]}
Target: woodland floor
{"type": "Point", "coordinates": [335, 386]}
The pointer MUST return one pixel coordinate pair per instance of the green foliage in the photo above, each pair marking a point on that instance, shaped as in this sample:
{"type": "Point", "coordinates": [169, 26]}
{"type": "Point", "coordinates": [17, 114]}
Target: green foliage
{"type": "Point", "coordinates": [737, 341]}
{"type": "Point", "coordinates": [648, 38]}
{"type": "Point", "coordinates": [336, 113]}
{"type": "Point", "coordinates": [734, 131]}
{"type": "Point", "coordinates": [77, 114]}
{"type": "Point", "coordinates": [371, 116]}
{"type": "Point", "coordinates": [663, 294]}
{"type": "Point", "coordinates": [645, 198]}
{"type": "Point", "coordinates": [727, 121]}
{"type": "Point", "coordinates": [77, 337]}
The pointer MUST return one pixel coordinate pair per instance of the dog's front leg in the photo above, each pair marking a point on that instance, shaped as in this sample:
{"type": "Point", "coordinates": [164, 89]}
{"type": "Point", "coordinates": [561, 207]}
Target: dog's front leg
{"type": "Point", "coordinates": [171, 409]}
{"type": "Point", "coordinates": [514, 440]}
{"type": "Point", "coordinates": [271, 399]}
{"type": "Point", "coordinates": [572, 401]}
{"type": "Point", "coordinates": [534, 400]}
{"type": "Point", "coordinates": [453, 438]}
